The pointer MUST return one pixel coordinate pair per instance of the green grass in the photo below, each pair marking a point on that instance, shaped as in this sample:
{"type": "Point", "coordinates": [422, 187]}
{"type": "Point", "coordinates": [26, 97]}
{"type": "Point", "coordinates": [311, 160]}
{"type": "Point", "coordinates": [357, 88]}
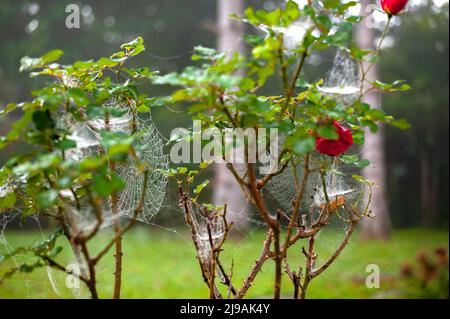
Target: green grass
{"type": "Point", "coordinates": [161, 264]}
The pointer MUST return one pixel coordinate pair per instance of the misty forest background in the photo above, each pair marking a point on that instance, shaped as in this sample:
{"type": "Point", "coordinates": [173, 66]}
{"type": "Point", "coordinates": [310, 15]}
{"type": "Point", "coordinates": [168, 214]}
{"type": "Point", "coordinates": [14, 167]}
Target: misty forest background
{"type": "Point", "coordinates": [416, 160]}
{"type": "Point", "coordinates": [416, 50]}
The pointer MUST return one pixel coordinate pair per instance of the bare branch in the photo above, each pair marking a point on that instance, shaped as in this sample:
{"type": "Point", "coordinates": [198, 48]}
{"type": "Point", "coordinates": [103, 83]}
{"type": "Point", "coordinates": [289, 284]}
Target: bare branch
{"type": "Point", "coordinates": [256, 267]}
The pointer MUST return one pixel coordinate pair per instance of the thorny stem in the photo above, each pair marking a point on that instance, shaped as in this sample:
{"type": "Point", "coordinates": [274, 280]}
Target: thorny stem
{"type": "Point", "coordinates": [208, 269]}
{"type": "Point", "coordinates": [92, 284]}
{"type": "Point", "coordinates": [136, 212]}
{"type": "Point", "coordinates": [231, 289]}
{"type": "Point", "coordinates": [365, 72]}
{"type": "Point", "coordinates": [297, 71]}
{"type": "Point", "coordinates": [337, 252]}
{"type": "Point", "coordinates": [117, 228]}
{"type": "Point", "coordinates": [118, 253]}
{"type": "Point", "coordinates": [295, 278]}
{"type": "Point", "coordinates": [258, 199]}
{"type": "Point", "coordinates": [227, 279]}
{"type": "Point", "coordinates": [297, 203]}
{"type": "Point", "coordinates": [278, 259]}
{"type": "Point", "coordinates": [263, 181]}
{"type": "Point", "coordinates": [310, 257]}
{"type": "Point", "coordinates": [290, 89]}
{"type": "Point", "coordinates": [272, 222]}
{"type": "Point", "coordinates": [212, 266]}
{"type": "Point", "coordinates": [283, 72]}
{"type": "Point", "coordinates": [257, 266]}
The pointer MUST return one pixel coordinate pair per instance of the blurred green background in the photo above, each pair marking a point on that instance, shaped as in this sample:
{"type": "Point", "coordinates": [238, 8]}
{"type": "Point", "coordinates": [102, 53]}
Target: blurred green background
{"type": "Point", "coordinates": [416, 160]}
{"type": "Point", "coordinates": [161, 264]}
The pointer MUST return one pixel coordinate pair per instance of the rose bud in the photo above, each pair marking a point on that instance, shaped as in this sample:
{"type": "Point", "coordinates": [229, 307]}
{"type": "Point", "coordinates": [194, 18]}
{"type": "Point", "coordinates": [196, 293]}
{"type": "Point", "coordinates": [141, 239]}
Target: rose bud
{"type": "Point", "coordinates": [335, 147]}
{"type": "Point", "coordinates": [393, 7]}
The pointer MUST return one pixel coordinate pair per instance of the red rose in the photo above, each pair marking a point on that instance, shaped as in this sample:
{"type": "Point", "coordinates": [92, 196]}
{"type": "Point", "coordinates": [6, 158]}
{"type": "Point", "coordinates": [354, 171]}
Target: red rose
{"type": "Point", "coordinates": [335, 147]}
{"type": "Point", "coordinates": [393, 7]}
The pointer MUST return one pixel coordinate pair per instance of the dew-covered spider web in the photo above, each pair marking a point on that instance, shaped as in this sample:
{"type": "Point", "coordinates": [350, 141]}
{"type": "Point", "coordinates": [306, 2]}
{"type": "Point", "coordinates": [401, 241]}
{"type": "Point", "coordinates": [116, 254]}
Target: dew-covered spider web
{"type": "Point", "coordinates": [338, 185]}
{"type": "Point", "coordinates": [292, 35]}
{"type": "Point", "coordinates": [343, 81]}
{"type": "Point", "coordinates": [150, 157]}
{"type": "Point", "coordinates": [17, 259]}
{"type": "Point", "coordinates": [156, 163]}
{"type": "Point", "coordinates": [209, 228]}
{"type": "Point", "coordinates": [343, 194]}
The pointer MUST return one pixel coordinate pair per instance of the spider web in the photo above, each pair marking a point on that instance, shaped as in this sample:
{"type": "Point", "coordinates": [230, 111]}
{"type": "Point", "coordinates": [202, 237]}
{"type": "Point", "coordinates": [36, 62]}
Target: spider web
{"type": "Point", "coordinates": [292, 35]}
{"type": "Point", "coordinates": [338, 186]}
{"type": "Point", "coordinates": [18, 259]}
{"type": "Point", "coordinates": [156, 163]}
{"type": "Point", "coordinates": [151, 157]}
{"type": "Point", "coordinates": [343, 81]}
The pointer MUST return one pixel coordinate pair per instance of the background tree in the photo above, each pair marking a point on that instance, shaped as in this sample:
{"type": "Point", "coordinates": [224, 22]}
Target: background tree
{"type": "Point", "coordinates": [425, 107]}
{"type": "Point", "coordinates": [417, 160]}
{"type": "Point", "coordinates": [230, 34]}
{"type": "Point", "coordinates": [373, 148]}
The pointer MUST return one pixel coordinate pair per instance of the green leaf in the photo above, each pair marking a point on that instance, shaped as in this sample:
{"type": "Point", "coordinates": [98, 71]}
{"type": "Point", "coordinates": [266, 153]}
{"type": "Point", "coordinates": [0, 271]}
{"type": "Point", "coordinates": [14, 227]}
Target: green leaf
{"type": "Point", "coordinates": [170, 79]}
{"type": "Point", "coordinates": [9, 108]}
{"type": "Point", "coordinates": [401, 124]}
{"type": "Point", "coordinates": [205, 164]}
{"type": "Point", "coordinates": [328, 132]}
{"type": "Point", "coordinates": [358, 137]}
{"type": "Point", "coordinates": [358, 53]}
{"type": "Point", "coordinates": [66, 144]}
{"type": "Point", "coordinates": [119, 57]}
{"type": "Point", "coordinates": [52, 56]}
{"type": "Point", "coordinates": [43, 120]}
{"type": "Point", "coordinates": [47, 198]}
{"type": "Point", "coordinates": [27, 63]}
{"type": "Point", "coordinates": [143, 108]}
{"type": "Point", "coordinates": [361, 179]}
{"type": "Point", "coordinates": [204, 53]}
{"type": "Point", "coordinates": [371, 124]}
{"type": "Point", "coordinates": [119, 149]}
{"type": "Point", "coordinates": [78, 96]}
{"type": "Point", "coordinates": [291, 13]}
{"type": "Point", "coordinates": [64, 181]}
{"type": "Point", "coordinates": [133, 48]}
{"type": "Point", "coordinates": [8, 200]}
{"type": "Point", "coordinates": [363, 163]}
{"type": "Point", "coordinates": [354, 160]}
{"type": "Point", "coordinates": [201, 186]}
{"type": "Point", "coordinates": [101, 185]}
{"type": "Point", "coordinates": [304, 145]}
{"type": "Point", "coordinates": [324, 21]}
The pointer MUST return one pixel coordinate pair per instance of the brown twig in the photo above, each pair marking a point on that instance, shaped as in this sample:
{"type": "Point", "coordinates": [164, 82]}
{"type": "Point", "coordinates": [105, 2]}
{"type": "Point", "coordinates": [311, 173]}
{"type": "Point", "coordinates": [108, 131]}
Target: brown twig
{"type": "Point", "coordinates": [310, 258]}
{"type": "Point", "coordinates": [337, 252]}
{"type": "Point", "coordinates": [256, 267]}
{"type": "Point", "coordinates": [297, 203]}
{"type": "Point", "coordinates": [132, 221]}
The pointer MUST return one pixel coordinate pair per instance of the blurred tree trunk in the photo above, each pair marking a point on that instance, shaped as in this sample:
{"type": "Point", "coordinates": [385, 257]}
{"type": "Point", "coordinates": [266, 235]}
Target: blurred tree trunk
{"type": "Point", "coordinates": [429, 191]}
{"type": "Point", "coordinates": [425, 190]}
{"type": "Point", "coordinates": [378, 227]}
{"type": "Point", "coordinates": [230, 39]}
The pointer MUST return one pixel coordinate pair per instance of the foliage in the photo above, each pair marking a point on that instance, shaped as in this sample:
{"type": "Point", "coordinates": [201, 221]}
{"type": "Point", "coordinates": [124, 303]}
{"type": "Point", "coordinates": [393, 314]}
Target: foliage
{"type": "Point", "coordinates": [69, 167]}
{"type": "Point", "coordinates": [428, 277]}
{"type": "Point", "coordinates": [224, 92]}
{"type": "Point", "coordinates": [57, 174]}
{"type": "Point", "coordinates": [419, 157]}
